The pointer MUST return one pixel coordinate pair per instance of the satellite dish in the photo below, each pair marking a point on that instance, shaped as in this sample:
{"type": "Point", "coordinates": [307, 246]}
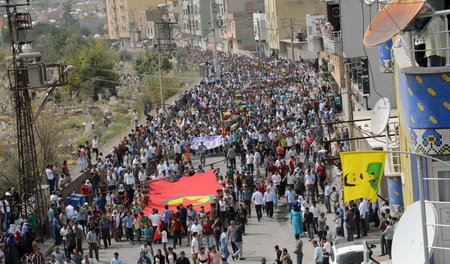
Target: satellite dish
{"type": "Point", "coordinates": [380, 116]}
{"type": "Point", "coordinates": [407, 245]}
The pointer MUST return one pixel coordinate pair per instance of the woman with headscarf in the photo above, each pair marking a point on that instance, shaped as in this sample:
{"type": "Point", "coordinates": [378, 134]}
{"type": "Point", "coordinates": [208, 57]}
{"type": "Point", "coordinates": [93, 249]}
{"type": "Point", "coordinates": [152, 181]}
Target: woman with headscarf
{"type": "Point", "coordinates": [296, 220]}
{"type": "Point", "coordinates": [27, 240]}
{"type": "Point", "coordinates": [116, 225]}
{"type": "Point", "coordinates": [12, 255]}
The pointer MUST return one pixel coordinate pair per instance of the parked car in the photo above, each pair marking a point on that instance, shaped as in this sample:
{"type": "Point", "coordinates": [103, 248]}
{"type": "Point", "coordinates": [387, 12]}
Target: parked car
{"type": "Point", "coordinates": [352, 253]}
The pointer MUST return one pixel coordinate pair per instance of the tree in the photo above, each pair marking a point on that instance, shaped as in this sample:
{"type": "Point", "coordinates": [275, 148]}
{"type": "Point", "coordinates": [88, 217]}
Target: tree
{"type": "Point", "coordinates": [67, 20]}
{"type": "Point", "coordinates": [94, 70]}
{"type": "Point", "coordinates": [73, 45]}
{"type": "Point", "coordinates": [101, 29]}
{"type": "Point", "coordinates": [148, 63]}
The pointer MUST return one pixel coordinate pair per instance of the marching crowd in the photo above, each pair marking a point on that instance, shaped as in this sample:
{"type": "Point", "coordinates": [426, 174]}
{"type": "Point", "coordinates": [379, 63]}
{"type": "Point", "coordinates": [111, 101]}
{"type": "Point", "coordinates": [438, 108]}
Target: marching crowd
{"type": "Point", "coordinates": [275, 148]}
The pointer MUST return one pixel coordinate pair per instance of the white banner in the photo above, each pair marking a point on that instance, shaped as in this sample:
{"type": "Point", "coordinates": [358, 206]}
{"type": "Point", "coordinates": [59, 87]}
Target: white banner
{"type": "Point", "coordinates": [209, 142]}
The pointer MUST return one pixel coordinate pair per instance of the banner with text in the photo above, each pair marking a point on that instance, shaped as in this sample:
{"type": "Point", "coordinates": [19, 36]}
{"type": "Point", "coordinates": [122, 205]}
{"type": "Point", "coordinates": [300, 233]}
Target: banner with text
{"type": "Point", "coordinates": [210, 142]}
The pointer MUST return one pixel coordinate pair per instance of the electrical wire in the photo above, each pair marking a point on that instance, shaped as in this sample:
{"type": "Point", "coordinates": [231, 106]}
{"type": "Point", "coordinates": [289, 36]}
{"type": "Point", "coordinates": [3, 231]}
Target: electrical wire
{"type": "Point", "coordinates": [365, 53]}
{"type": "Point", "coordinates": [133, 85]}
{"type": "Point", "coordinates": [146, 75]}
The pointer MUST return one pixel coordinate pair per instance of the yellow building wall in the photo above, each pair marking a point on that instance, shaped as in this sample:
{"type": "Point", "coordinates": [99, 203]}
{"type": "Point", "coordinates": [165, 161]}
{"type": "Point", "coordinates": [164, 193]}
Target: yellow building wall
{"type": "Point", "coordinates": [135, 6]}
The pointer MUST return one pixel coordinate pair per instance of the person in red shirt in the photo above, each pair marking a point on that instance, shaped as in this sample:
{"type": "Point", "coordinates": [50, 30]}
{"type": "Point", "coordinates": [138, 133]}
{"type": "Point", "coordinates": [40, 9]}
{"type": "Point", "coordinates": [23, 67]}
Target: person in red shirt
{"type": "Point", "coordinates": [175, 230]}
{"type": "Point", "coordinates": [208, 232]}
{"type": "Point", "coordinates": [271, 169]}
{"type": "Point", "coordinates": [84, 190]}
{"type": "Point", "coordinates": [280, 151]}
{"type": "Point", "coordinates": [322, 173]}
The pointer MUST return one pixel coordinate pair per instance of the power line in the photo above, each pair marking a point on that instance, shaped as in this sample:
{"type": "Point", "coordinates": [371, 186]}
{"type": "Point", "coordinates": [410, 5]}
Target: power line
{"type": "Point", "coordinates": [146, 75]}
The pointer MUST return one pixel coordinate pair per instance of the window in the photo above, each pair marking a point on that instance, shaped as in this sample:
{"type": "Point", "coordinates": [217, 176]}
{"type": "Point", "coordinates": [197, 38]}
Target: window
{"type": "Point", "coordinates": [444, 186]}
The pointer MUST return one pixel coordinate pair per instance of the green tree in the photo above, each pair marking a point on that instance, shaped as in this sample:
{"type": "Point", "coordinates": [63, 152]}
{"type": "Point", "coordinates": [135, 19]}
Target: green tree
{"type": "Point", "coordinates": [148, 63]}
{"type": "Point", "coordinates": [73, 45]}
{"type": "Point", "coordinates": [67, 20]}
{"type": "Point", "coordinates": [94, 70]}
{"type": "Point", "coordinates": [101, 29]}
{"type": "Point", "coordinates": [125, 55]}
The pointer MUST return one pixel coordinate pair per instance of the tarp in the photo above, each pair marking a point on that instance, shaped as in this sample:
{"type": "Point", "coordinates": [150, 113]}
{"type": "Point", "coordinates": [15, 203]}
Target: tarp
{"type": "Point", "coordinates": [210, 142]}
{"type": "Point", "coordinates": [197, 190]}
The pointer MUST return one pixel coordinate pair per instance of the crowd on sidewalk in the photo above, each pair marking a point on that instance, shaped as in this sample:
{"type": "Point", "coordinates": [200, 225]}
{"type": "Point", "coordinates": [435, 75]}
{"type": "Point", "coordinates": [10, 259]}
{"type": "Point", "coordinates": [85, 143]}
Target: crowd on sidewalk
{"type": "Point", "coordinates": [275, 147]}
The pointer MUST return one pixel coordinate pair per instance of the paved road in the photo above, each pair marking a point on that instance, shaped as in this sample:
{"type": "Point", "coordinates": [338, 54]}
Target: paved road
{"type": "Point", "coordinates": [258, 243]}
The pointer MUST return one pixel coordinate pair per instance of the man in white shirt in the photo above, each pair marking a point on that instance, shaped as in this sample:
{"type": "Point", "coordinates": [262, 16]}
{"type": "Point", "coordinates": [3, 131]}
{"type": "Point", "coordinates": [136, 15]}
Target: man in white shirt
{"type": "Point", "coordinates": [155, 218]}
{"type": "Point", "coordinates": [257, 200]}
{"type": "Point", "coordinates": [95, 146]}
{"type": "Point", "coordinates": [363, 210]}
{"type": "Point", "coordinates": [315, 210]}
{"type": "Point", "coordinates": [194, 247]}
{"type": "Point", "coordinates": [310, 178]}
{"type": "Point", "coordinates": [268, 201]}
{"type": "Point", "coordinates": [257, 162]}
{"type": "Point", "coordinates": [249, 159]}
{"type": "Point", "coordinates": [128, 178]}
{"type": "Point", "coordinates": [50, 178]}
{"type": "Point", "coordinates": [5, 209]}
{"type": "Point", "coordinates": [88, 260]}
{"type": "Point", "coordinates": [327, 193]}
{"type": "Point", "coordinates": [69, 211]}
{"type": "Point", "coordinates": [197, 228]}
{"type": "Point", "coordinates": [177, 151]}
{"type": "Point", "coordinates": [290, 197]}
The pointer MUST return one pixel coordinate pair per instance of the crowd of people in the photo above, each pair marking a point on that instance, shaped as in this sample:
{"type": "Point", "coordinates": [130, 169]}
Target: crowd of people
{"type": "Point", "coordinates": [278, 133]}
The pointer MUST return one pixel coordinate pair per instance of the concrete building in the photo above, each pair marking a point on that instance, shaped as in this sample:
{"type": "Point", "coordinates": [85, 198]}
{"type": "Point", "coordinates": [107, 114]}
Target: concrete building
{"type": "Point", "coordinates": [237, 33]}
{"type": "Point", "coordinates": [174, 9]}
{"type": "Point", "coordinates": [149, 27]}
{"type": "Point", "coordinates": [195, 21]}
{"type": "Point", "coordinates": [350, 63]}
{"type": "Point", "coordinates": [422, 85]}
{"type": "Point", "coordinates": [123, 19]}
{"type": "Point", "coordinates": [284, 17]}
{"type": "Point", "coordinates": [234, 19]}
{"type": "Point", "coordinates": [260, 32]}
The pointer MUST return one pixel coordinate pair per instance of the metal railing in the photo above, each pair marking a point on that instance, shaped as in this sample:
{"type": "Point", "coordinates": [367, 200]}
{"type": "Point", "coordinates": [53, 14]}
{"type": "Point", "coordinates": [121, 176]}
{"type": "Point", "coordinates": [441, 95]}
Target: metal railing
{"type": "Point", "coordinates": [332, 41]}
{"type": "Point", "coordinates": [424, 34]}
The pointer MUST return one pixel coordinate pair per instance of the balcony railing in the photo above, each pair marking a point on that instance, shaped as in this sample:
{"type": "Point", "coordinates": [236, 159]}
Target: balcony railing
{"type": "Point", "coordinates": [436, 38]}
{"type": "Point", "coordinates": [332, 42]}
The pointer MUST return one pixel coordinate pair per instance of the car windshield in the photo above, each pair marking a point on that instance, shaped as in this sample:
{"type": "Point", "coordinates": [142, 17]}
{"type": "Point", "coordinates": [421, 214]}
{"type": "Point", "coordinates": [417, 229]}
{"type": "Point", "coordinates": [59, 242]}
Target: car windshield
{"type": "Point", "coordinates": [350, 258]}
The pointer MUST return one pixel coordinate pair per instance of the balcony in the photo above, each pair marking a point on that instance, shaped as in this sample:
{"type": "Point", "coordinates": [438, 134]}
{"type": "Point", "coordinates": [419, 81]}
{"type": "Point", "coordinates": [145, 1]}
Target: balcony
{"type": "Point", "coordinates": [412, 48]}
{"type": "Point", "coordinates": [332, 42]}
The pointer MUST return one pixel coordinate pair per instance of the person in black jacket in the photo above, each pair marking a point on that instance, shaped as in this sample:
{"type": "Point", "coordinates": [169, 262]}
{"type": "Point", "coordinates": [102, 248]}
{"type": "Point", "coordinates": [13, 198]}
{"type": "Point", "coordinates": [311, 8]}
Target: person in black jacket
{"type": "Point", "coordinates": [159, 256]}
{"type": "Point", "coordinates": [182, 259]}
{"type": "Point", "coordinates": [171, 257]}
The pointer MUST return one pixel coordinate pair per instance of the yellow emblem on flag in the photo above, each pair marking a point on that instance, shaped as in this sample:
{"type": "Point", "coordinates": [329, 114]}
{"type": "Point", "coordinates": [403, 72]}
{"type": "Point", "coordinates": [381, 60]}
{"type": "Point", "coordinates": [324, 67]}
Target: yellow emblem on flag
{"type": "Point", "coordinates": [361, 174]}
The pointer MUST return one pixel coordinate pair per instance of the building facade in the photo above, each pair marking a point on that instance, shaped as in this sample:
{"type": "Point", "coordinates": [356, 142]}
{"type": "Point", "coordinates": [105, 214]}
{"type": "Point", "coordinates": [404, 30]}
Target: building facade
{"type": "Point", "coordinates": [284, 17]}
{"type": "Point", "coordinates": [124, 18]}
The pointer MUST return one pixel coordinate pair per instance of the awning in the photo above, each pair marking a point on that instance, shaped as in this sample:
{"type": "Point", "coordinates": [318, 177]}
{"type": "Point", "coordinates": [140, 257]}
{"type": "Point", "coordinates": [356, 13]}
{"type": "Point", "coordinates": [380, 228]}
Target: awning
{"type": "Point", "coordinates": [391, 19]}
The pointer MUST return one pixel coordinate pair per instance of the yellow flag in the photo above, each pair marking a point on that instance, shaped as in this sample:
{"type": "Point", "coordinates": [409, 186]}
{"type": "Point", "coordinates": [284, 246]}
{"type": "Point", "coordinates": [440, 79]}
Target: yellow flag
{"type": "Point", "coordinates": [361, 174]}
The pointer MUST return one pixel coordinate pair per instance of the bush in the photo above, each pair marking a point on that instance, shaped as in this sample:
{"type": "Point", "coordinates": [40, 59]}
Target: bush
{"type": "Point", "coordinates": [122, 110]}
{"type": "Point", "coordinates": [71, 123]}
{"type": "Point", "coordinates": [96, 113]}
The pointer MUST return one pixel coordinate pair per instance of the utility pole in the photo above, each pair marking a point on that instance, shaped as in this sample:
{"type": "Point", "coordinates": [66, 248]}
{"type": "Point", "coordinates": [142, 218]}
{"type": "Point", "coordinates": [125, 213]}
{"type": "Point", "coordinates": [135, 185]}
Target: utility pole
{"type": "Point", "coordinates": [26, 73]}
{"type": "Point", "coordinates": [163, 105]}
{"type": "Point", "coordinates": [292, 37]}
{"type": "Point", "coordinates": [164, 44]}
{"type": "Point", "coordinates": [259, 37]}
{"type": "Point", "coordinates": [348, 86]}
{"type": "Point", "coordinates": [213, 32]}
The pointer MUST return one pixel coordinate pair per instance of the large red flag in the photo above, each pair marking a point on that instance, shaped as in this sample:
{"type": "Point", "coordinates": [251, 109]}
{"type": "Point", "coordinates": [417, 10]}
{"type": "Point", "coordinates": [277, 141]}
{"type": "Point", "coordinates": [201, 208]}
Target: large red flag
{"type": "Point", "coordinates": [197, 190]}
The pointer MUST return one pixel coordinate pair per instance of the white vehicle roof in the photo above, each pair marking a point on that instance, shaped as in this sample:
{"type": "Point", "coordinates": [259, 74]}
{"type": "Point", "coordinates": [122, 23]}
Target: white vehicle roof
{"type": "Point", "coordinates": [345, 248]}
